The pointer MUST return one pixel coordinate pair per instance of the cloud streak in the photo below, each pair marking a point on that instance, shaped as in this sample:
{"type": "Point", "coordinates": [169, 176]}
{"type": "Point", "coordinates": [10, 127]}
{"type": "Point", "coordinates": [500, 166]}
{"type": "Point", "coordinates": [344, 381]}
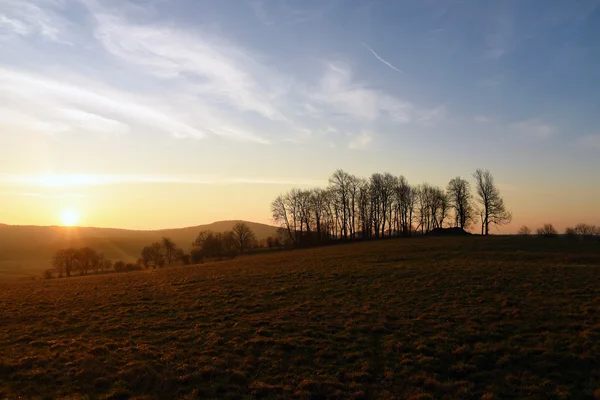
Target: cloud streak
{"type": "Point", "coordinates": [212, 68]}
{"type": "Point", "coordinates": [44, 195]}
{"type": "Point", "coordinates": [341, 95]}
{"type": "Point", "coordinates": [55, 105]}
{"type": "Point", "coordinates": [361, 141]}
{"type": "Point", "coordinates": [26, 19]}
{"type": "Point", "coordinates": [156, 76]}
{"type": "Point", "coordinates": [83, 180]}
{"type": "Point", "coordinates": [389, 64]}
{"type": "Point", "coordinates": [535, 127]}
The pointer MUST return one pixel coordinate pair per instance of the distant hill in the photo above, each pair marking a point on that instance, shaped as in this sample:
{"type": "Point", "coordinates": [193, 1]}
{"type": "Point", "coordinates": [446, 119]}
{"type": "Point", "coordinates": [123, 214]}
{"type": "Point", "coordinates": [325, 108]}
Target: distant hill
{"type": "Point", "coordinates": [27, 250]}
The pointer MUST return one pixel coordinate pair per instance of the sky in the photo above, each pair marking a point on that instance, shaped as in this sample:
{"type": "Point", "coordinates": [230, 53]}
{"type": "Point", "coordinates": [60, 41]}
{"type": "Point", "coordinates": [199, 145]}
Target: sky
{"type": "Point", "coordinates": [150, 114]}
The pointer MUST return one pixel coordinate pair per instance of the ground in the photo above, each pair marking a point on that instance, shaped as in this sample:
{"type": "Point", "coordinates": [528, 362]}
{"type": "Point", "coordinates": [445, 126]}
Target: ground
{"type": "Point", "coordinates": [448, 318]}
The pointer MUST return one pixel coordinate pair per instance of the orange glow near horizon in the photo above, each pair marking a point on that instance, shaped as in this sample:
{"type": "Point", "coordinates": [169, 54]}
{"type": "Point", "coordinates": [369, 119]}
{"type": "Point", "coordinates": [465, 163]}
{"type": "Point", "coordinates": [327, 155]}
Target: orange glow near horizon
{"type": "Point", "coordinates": [164, 202]}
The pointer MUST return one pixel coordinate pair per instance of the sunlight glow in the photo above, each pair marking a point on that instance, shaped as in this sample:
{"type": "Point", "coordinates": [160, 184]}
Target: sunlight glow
{"type": "Point", "coordinates": [69, 217]}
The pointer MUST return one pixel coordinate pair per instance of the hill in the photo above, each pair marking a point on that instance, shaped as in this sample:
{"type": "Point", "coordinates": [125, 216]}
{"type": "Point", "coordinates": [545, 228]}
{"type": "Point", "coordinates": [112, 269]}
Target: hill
{"type": "Point", "coordinates": [27, 250]}
{"type": "Point", "coordinates": [422, 318]}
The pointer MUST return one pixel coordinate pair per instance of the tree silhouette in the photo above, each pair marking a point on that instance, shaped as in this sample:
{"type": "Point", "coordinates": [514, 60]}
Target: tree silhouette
{"type": "Point", "coordinates": [169, 248]}
{"type": "Point", "coordinates": [547, 230]}
{"type": "Point", "coordinates": [64, 261]}
{"type": "Point", "coordinates": [281, 212]}
{"type": "Point", "coordinates": [460, 200]}
{"type": "Point", "coordinates": [86, 259]}
{"type": "Point", "coordinates": [243, 236]}
{"type": "Point", "coordinates": [340, 183]}
{"type": "Point", "coordinates": [157, 259]}
{"type": "Point", "coordinates": [524, 231]}
{"type": "Point", "coordinates": [146, 256]}
{"type": "Point", "coordinates": [493, 210]}
{"type": "Point", "coordinates": [352, 208]}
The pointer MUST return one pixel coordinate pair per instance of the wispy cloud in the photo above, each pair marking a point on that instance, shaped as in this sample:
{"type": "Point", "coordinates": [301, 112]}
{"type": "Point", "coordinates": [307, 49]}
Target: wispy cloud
{"type": "Point", "coordinates": [591, 141]}
{"type": "Point", "coordinates": [210, 66]}
{"type": "Point", "coordinates": [216, 87]}
{"type": "Point", "coordinates": [382, 59]}
{"type": "Point", "coordinates": [55, 105]}
{"type": "Point", "coordinates": [482, 119]}
{"type": "Point", "coordinates": [79, 180]}
{"type": "Point", "coordinates": [500, 37]}
{"type": "Point", "coordinates": [534, 127]}
{"type": "Point", "coordinates": [44, 195]}
{"type": "Point", "coordinates": [26, 18]}
{"type": "Point", "coordinates": [343, 95]}
{"type": "Point", "coordinates": [361, 141]}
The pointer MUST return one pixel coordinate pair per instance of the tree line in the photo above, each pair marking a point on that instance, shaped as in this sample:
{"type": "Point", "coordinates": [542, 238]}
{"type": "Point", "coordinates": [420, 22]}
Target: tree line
{"type": "Point", "coordinates": [580, 231]}
{"type": "Point", "coordinates": [83, 260]}
{"type": "Point", "coordinates": [384, 205]}
{"type": "Point", "coordinates": [208, 246]}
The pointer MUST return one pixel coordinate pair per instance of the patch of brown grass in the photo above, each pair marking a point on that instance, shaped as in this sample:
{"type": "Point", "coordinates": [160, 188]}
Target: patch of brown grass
{"type": "Point", "coordinates": [472, 318]}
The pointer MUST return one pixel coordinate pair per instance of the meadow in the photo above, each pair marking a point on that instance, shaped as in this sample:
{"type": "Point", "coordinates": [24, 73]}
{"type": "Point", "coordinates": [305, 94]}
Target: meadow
{"type": "Point", "coordinates": [423, 318]}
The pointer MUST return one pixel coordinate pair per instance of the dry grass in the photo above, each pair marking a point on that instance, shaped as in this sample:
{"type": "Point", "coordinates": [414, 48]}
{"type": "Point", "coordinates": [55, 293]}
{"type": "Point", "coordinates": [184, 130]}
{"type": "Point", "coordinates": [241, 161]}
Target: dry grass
{"type": "Point", "coordinates": [468, 318]}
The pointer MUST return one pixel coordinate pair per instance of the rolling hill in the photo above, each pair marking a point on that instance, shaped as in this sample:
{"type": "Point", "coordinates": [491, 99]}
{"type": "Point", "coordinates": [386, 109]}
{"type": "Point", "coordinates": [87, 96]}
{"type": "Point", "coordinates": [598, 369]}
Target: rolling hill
{"type": "Point", "coordinates": [27, 250]}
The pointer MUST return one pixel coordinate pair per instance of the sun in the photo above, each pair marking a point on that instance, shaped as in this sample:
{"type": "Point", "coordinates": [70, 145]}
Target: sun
{"type": "Point", "coordinates": [69, 217]}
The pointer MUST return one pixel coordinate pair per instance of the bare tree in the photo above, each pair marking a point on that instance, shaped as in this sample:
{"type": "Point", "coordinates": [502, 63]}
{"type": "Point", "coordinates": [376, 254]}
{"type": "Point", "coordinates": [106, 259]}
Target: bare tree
{"type": "Point", "coordinates": [460, 200]}
{"type": "Point", "coordinates": [493, 210]}
{"type": "Point", "coordinates": [58, 263]}
{"type": "Point", "coordinates": [364, 209]}
{"type": "Point", "coordinates": [547, 230]}
{"type": "Point", "coordinates": [283, 213]}
{"type": "Point", "coordinates": [152, 256]}
{"type": "Point", "coordinates": [586, 231]}
{"type": "Point", "coordinates": [304, 214]}
{"type": "Point", "coordinates": [319, 200]}
{"type": "Point", "coordinates": [64, 261]}
{"type": "Point", "coordinates": [86, 259]}
{"type": "Point", "coordinates": [158, 259]}
{"type": "Point", "coordinates": [340, 183]}
{"type": "Point", "coordinates": [211, 244]}
{"type": "Point", "coordinates": [525, 231]}
{"type": "Point", "coordinates": [169, 249]}
{"type": "Point", "coordinates": [432, 207]}
{"type": "Point", "coordinates": [243, 237]}
{"type": "Point", "coordinates": [146, 257]}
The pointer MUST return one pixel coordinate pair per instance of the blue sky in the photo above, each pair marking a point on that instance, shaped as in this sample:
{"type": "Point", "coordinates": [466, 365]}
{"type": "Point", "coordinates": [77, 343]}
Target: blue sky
{"type": "Point", "coordinates": [267, 94]}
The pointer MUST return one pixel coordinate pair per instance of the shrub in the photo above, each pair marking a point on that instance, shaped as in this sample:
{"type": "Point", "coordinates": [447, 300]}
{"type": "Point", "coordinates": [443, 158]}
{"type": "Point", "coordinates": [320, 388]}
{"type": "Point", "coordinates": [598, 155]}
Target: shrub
{"type": "Point", "coordinates": [586, 231]}
{"type": "Point", "coordinates": [583, 231]}
{"type": "Point", "coordinates": [48, 274]}
{"type": "Point", "coordinates": [547, 230]}
{"type": "Point", "coordinates": [119, 266]}
{"type": "Point", "coordinates": [525, 231]}
{"type": "Point", "coordinates": [571, 233]}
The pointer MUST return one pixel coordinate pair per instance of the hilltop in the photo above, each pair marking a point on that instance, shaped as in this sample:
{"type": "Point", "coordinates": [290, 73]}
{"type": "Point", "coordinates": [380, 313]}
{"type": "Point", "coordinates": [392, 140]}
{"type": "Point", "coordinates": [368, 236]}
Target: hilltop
{"type": "Point", "coordinates": [27, 250]}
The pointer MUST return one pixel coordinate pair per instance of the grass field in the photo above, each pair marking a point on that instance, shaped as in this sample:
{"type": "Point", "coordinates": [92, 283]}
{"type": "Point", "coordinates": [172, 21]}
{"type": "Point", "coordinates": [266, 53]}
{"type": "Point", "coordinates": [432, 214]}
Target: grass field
{"type": "Point", "coordinates": [448, 318]}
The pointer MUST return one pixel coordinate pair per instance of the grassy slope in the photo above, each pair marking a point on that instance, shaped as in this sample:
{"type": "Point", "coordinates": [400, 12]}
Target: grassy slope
{"type": "Point", "coordinates": [469, 318]}
{"type": "Point", "coordinates": [27, 250]}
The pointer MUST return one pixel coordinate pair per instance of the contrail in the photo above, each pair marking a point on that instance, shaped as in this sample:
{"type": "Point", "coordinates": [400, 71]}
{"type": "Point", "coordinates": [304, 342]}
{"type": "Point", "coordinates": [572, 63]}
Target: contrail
{"type": "Point", "coordinates": [381, 59]}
